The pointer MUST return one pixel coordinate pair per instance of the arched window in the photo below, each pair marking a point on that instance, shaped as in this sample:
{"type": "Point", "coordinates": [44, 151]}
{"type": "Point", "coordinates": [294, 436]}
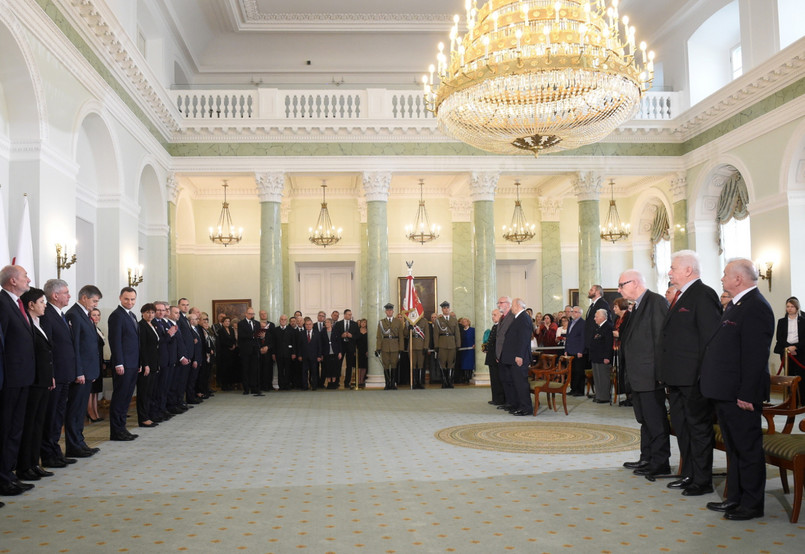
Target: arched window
{"type": "Point", "coordinates": [732, 218]}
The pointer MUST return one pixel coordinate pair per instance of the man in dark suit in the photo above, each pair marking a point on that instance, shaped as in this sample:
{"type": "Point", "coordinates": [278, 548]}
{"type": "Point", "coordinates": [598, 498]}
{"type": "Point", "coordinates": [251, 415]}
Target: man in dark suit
{"type": "Point", "coordinates": [284, 352]}
{"type": "Point", "coordinates": [310, 354]}
{"type": "Point", "coordinates": [641, 349]}
{"type": "Point", "coordinates": [197, 336]}
{"type": "Point", "coordinates": [184, 372]}
{"type": "Point", "coordinates": [249, 346]}
{"type": "Point", "coordinates": [19, 368]}
{"type": "Point", "coordinates": [346, 330]}
{"type": "Point", "coordinates": [182, 358]}
{"type": "Point", "coordinates": [516, 357]}
{"type": "Point", "coordinates": [166, 331]}
{"type": "Point", "coordinates": [735, 375]}
{"type": "Point", "coordinates": [693, 315]}
{"type": "Point", "coordinates": [597, 302]}
{"type": "Point", "coordinates": [124, 344]}
{"type": "Point", "coordinates": [56, 327]}
{"type": "Point", "coordinates": [574, 346]}
{"type": "Point", "coordinates": [506, 318]}
{"type": "Point", "coordinates": [265, 377]}
{"type": "Point", "coordinates": [87, 364]}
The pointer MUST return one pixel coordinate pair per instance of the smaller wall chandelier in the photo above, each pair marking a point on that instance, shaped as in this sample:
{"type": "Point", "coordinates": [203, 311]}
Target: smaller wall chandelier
{"type": "Point", "coordinates": [422, 231]}
{"type": "Point", "coordinates": [613, 230]}
{"type": "Point", "coordinates": [224, 233]}
{"type": "Point", "coordinates": [520, 230]}
{"type": "Point", "coordinates": [324, 234]}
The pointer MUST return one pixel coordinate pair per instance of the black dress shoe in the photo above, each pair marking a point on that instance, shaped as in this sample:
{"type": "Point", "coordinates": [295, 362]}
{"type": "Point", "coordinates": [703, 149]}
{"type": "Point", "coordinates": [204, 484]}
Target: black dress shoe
{"type": "Point", "coordinates": [79, 453]}
{"type": "Point", "coordinates": [23, 486]}
{"type": "Point", "coordinates": [54, 463]}
{"type": "Point", "coordinates": [504, 407]}
{"type": "Point", "coordinates": [2, 504]}
{"type": "Point", "coordinates": [650, 471]}
{"type": "Point", "coordinates": [635, 465]}
{"type": "Point", "coordinates": [42, 472]}
{"type": "Point", "coordinates": [742, 514]}
{"type": "Point", "coordinates": [10, 489]}
{"type": "Point", "coordinates": [93, 451]}
{"type": "Point", "coordinates": [175, 411]}
{"type": "Point", "coordinates": [725, 506]}
{"type": "Point", "coordinates": [600, 401]}
{"type": "Point", "coordinates": [67, 460]}
{"type": "Point", "coordinates": [28, 475]}
{"type": "Point", "coordinates": [152, 424]}
{"type": "Point", "coordinates": [121, 437]}
{"type": "Point", "coordinates": [683, 483]}
{"type": "Point", "coordinates": [576, 394]}
{"type": "Point", "coordinates": [697, 490]}
{"type": "Point", "coordinates": [521, 413]}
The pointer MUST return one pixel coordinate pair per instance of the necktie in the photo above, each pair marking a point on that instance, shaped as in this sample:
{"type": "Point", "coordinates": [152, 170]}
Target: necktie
{"type": "Point", "coordinates": [676, 297]}
{"type": "Point", "coordinates": [308, 336]}
{"type": "Point", "coordinates": [729, 306]}
{"type": "Point", "coordinates": [22, 311]}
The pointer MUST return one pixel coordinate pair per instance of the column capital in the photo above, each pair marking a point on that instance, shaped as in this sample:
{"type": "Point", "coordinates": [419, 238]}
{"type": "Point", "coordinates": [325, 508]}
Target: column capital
{"type": "Point", "coordinates": [549, 208]}
{"type": "Point", "coordinates": [679, 186]}
{"type": "Point", "coordinates": [483, 185]}
{"type": "Point", "coordinates": [172, 187]}
{"type": "Point", "coordinates": [587, 185]}
{"type": "Point", "coordinates": [461, 209]}
{"type": "Point", "coordinates": [376, 186]}
{"type": "Point", "coordinates": [270, 186]}
{"type": "Point", "coordinates": [362, 209]}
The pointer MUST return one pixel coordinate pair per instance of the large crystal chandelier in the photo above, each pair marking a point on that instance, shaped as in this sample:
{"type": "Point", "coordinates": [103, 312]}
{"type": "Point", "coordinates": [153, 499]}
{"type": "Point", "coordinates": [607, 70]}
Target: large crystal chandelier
{"type": "Point", "coordinates": [535, 76]}
{"type": "Point", "coordinates": [519, 230]}
{"type": "Point", "coordinates": [613, 230]}
{"type": "Point", "coordinates": [421, 230]}
{"type": "Point", "coordinates": [224, 232]}
{"type": "Point", "coordinates": [324, 234]}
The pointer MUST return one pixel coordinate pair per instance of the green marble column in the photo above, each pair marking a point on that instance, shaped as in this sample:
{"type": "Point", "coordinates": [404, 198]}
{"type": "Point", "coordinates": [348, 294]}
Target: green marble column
{"type": "Point", "coordinates": [461, 297]}
{"type": "Point", "coordinates": [269, 189]}
{"type": "Point", "coordinates": [679, 238]}
{"type": "Point", "coordinates": [552, 292]}
{"type": "Point", "coordinates": [376, 189]}
{"type": "Point", "coordinates": [485, 284]}
{"type": "Point", "coordinates": [363, 274]}
{"type": "Point", "coordinates": [173, 272]}
{"type": "Point", "coordinates": [286, 264]}
{"type": "Point", "coordinates": [587, 188]}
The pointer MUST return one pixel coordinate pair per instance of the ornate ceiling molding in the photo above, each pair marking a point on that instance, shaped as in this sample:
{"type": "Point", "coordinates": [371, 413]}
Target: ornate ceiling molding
{"type": "Point", "coordinates": [270, 186]}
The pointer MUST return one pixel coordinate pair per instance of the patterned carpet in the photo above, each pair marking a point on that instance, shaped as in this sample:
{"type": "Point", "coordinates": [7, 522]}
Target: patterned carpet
{"type": "Point", "coordinates": [542, 438]}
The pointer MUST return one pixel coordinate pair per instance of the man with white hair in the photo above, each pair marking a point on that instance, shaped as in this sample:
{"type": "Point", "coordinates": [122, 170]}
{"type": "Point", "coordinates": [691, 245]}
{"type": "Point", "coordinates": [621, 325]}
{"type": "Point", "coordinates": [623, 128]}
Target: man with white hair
{"type": "Point", "coordinates": [516, 359]}
{"type": "Point", "coordinates": [735, 375]}
{"type": "Point", "coordinates": [640, 344]}
{"type": "Point", "coordinates": [693, 315]}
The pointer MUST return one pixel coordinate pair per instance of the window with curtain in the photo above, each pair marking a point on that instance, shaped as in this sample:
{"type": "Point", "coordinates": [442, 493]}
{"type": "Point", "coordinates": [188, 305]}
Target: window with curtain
{"type": "Point", "coordinates": [732, 219]}
{"type": "Point", "coordinates": [660, 236]}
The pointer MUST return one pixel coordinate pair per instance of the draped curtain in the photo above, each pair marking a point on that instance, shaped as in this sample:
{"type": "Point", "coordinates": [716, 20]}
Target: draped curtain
{"type": "Point", "coordinates": [660, 230]}
{"type": "Point", "coordinates": [733, 203]}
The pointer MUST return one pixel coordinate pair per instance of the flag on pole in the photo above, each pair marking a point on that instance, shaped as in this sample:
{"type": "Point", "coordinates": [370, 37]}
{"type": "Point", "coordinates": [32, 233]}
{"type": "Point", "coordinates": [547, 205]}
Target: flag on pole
{"type": "Point", "coordinates": [5, 255]}
{"type": "Point", "coordinates": [24, 254]}
{"type": "Point", "coordinates": [412, 306]}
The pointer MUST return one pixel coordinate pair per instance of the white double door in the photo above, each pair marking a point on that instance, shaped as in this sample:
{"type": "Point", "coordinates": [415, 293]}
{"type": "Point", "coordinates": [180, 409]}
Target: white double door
{"type": "Point", "coordinates": [325, 286]}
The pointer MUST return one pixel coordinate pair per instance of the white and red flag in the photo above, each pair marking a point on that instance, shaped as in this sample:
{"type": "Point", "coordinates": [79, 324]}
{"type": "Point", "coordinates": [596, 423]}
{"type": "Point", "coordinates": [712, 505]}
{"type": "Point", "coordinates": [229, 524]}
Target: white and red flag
{"type": "Point", "coordinates": [24, 254]}
{"type": "Point", "coordinates": [412, 306]}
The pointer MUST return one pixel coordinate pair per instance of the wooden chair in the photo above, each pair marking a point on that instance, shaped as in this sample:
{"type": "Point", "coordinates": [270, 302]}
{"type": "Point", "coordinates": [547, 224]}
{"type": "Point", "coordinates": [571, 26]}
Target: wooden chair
{"type": "Point", "coordinates": [552, 382]}
{"type": "Point", "coordinates": [539, 375]}
{"type": "Point", "coordinates": [590, 382]}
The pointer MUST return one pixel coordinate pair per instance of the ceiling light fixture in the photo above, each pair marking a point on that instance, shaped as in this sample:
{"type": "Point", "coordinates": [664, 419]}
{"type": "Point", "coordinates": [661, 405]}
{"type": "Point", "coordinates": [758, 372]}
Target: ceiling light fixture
{"type": "Point", "coordinates": [225, 224]}
{"type": "Point", "coordinates": [613, 230]}
{"type": "Point", "coordinates": [520, 230]}
{"type": "Point", "coordinates": [324, 234]}
{"type": "Point", "coordinates": [422, 231]}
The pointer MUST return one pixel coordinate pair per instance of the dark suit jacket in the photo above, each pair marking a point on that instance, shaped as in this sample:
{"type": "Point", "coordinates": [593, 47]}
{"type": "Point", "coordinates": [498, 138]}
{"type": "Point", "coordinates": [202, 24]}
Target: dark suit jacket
{"type": "Point", "coordinates": [198, 345]}
{"type": "Point", "coordinates": [490, 359]}
{"type": "Point", "coordinates": [688, 326]}
{"type": "Point", "coordinates": [736, 357]}
{"type": "Point", "coordinates": [247, 338]}
{"type": "Point", "coordinates": [601, 343]}
{"type": "Point", "coordinates": [164, 347]}
{"type": "Point", "coordinates": [343, 326]}
{"type": "Point", "coordinates": [325, 343]}
{"type": "Point", "coordinates": [782, 334]}
{"type": "Point", "coordinates": [62, 340]}
{"type": "Point", "coordinates": [187, 337]}
{"type": "Point", "coordinates": [574, 339]}
{"type": "Point", "coordinates": [44, 360]}
{"type": "Point", "coordinates": [309, 350]}
{"type": "Point", "coordinates": [149, 347]}
{"type": "Point", "coordinates": [503, 326]}
{"type": "Point", "coordinates": [589, 321]}
{"type": "Point", "coordinates": [85, 343]}
{"type": "Point", "coordinates": [17, 330]}
{"type": "Point", "coordinates": [518, 340]}
{"type": "Point", "coordinates": [124, 340]}
{"type": "Point", "coordinates": [284, 342]}
{"type": "Point", "coordinates": [641, 342]}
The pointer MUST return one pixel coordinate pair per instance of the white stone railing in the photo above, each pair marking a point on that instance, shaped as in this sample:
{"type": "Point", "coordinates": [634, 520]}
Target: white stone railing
{"type": "Point", "coordinates": [264, 103]}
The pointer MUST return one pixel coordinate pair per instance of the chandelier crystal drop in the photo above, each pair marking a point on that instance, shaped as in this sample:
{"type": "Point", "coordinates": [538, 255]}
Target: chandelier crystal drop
{"type": "Point", "coordinates": [613, 230]}
{"type": "Point", "coordinates": [217, 234]}
{"type": "Point", "coordinates": [422, 231]}
{"type": "Point", "coordinates": [324, 234]}
{"type": "Point", "coordinates": [520, 230]}
{"type": "Point", "coordinates": [537, 76]}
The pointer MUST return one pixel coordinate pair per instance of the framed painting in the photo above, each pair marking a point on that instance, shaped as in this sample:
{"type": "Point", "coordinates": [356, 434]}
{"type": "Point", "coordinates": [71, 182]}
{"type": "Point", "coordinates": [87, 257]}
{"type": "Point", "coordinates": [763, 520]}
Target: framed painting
{"type": "Point", "coordinates": [425, 289]}
{"type": "Point", "coordinates": [610, 295]}
{"type": "Point", "coordinates": [234, 309]}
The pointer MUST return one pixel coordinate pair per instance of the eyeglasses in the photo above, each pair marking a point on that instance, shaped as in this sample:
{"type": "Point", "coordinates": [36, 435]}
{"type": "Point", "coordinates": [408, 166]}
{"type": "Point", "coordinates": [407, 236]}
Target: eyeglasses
{"type": "Point", "coordinates": [621, 285]}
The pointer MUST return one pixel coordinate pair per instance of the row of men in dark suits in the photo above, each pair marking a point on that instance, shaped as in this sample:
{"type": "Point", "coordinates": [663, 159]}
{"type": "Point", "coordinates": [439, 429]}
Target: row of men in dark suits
{"type": "Point", "coordinates": [49, 361]}
{"type": "Point", "coordinates": [510, 341]}
{"type": "Point", "coordinates": [706, 361]}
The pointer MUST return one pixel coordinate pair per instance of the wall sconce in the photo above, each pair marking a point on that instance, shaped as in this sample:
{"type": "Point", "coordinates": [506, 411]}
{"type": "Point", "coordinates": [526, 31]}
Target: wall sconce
{"type": "Point", "coordinates": [63, 259]}
{"type": "Point", "coordinates": [135, 275]}
{"type": "Point", "coordinates": [764, 271]}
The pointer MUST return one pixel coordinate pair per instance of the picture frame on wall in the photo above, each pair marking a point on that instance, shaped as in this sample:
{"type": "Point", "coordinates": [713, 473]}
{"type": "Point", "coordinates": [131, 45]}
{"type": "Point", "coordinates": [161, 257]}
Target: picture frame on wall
{"type": "Point", "coordinates": [610, 295]}
{"type": "Point", "coordinates": [234, 309]}
{"type": "Point", "coordinates": [426, 289]}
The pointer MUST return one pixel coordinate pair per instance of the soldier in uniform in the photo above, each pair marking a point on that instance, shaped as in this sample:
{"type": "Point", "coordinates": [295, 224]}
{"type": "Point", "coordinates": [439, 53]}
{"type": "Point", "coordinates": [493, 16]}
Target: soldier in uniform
{"type": "Point", "coordinates": [448, 341]}
{"type": "Point", "coordinates": [390, 340]}
{"type": "Point", "coordinates": [420, 341]}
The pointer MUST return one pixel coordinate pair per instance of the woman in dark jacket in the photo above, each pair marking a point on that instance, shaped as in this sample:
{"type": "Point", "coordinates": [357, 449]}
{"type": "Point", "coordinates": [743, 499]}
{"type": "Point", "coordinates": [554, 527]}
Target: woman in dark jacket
{"type": "Point", "coordinates": [362, 349]}
{"type": "Point", "coordinates": [227, 353]}
{"type": "Point", "coordinates": [97, 384]}
{"type": "Point", "coordinates": [331, 349]}
{"type": "Point", "coordinates": [149, 365]}
{"type": "Point", "coordinates": [790, 334]}
{"type": "Point", "coordinates": [28, 468]}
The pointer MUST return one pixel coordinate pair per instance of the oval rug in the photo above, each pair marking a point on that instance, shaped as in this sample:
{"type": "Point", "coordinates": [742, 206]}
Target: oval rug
{"type": "Point", "coordinates": [543, 438]}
